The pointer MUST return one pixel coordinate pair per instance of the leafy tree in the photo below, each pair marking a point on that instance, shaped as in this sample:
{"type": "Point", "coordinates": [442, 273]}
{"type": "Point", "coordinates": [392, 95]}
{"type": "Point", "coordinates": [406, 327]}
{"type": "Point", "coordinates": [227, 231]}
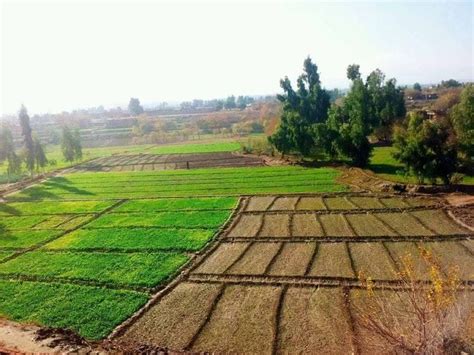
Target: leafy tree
{"type": "Point", "coordinates": [7, 152]}
{"type": "Point", "coordinates": [40, 156]}
{"type": "Point", "coordinates": [134, 106]}
{"type": "Point", "coordinates": [77, 144]}
{"type": "Point", "coordinates": [230, 103]}
{"type": "Point", "coordinates": [302, 108]}
{"type": "Point", "coordinates": [417, 87]}
{"type": "Point", "coordinates": [462, 118]}
{"type": "Point", "coordinates": [71, 144]}
{"type": "Point", "coordinates": [349, 125]}
{"type": "Point", "coordinates": [27, 138]}
{"type": "Point", "coordinates": [426, 148]}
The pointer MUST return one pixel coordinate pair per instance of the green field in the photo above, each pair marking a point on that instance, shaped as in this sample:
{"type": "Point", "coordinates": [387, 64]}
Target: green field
{"type": "Point", "coordinates": [84, 251]}
{"type": "Point", "coordinates": [195, 148]}
{"type": "Point", "coordinates": [387, 167]}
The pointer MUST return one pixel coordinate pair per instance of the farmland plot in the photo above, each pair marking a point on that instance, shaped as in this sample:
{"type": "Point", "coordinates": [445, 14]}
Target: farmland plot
{"type": "Point", "coordinates": [84, 251]}
{"type": "Point", "coordinates": [282, 277]}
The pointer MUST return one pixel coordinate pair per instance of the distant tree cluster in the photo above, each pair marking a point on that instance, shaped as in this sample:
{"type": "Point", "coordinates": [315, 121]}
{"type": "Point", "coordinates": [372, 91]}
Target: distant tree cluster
{"type": "Point", "coordinates": [310, 123]}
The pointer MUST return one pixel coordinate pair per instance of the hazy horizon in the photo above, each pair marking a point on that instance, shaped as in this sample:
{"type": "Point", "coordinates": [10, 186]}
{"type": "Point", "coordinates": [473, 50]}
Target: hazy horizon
{"type": "Point", "coordinates": [83, 55]}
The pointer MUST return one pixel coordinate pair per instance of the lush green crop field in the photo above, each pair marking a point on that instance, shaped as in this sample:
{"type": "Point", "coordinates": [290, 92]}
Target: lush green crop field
{"type": "Point", "coordinates": [183, 183]}
{"type": "Point", "coordinates": [95, 239]}
{"type": "Point", "coordinates": [195, 148]}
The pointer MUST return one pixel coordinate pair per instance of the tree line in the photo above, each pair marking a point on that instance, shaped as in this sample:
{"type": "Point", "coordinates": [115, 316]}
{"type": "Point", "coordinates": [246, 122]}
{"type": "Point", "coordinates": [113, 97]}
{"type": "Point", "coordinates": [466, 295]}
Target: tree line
{"type": "Point", "coordinates": [313, 126]}
{"type": "Point", "coordinates": [32, 154]}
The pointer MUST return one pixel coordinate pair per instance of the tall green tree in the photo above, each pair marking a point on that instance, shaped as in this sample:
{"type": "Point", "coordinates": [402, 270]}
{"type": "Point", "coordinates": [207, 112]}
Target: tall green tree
{"type": "Point", "coordinates": [40, 157]}
{"type": "Point", "coordinates": [350, 124]}
{"type": "Point", "coordinates": [230, 103]}
{"type": "Point", "coordinates": [462, 118]}
{"type": "Point", "coordinates": [71, 144]}
{"type": "Point", "coordinates": [7, 152]}
{"type": "Point", "coordinates": [27, 139]}
{"type": "Point", "coordinates": [134, 106]}
{"type": "Point", "coordinates": [302, 108]}
{"type": "Point", "coordinates": [417, 87]}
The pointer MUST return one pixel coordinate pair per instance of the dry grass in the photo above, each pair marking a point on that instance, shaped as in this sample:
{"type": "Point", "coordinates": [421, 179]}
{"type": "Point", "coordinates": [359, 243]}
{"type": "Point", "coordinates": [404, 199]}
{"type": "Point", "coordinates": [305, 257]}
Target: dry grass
{"type": "Point", "coordinates": [259, 203]}
{"type": "Point", "coordinates": [394, 202]}
{"type": "Point", "coordinates": [311, 204]}
{"type": "Point", "coordinates": [439, 222]}
{"type": "Point", "coordinates": [243, 321]}
{"type": "Point", "coordinates": [372, 259]}
{"type": "Point", "coordinates": [335, 225]}
{"type": "Point", "coordinates": [256, 259]}
{"type": "Point", "coordinates": [314, 322]}
{"type": "Point", "coordinates": [451, 253]}
{"type": "Point", "coordinates": [401, 250]}
{"type": "Point", "coordinates": [404, 224]}
{"type": "Point", "coordinates": [306, 225]}
{"type": "Point", "coordinates": [293, 259]}
{"type": "Point", "coordinates": [176, 318]}
{"type": "Point", "coordinates": [367, 202]}
{"type": "Point", "coordinates": [367, 225]}
{"type": "Point", "coordinates": [247, 226]}
{"type": "Point", "coordinates": [332, 260]}
{"type": "Point", "coordinates": [284, 203]}
{"type": "Point", "coordinates": [276, 225]}
{"type": "Point", "coordinates": [339, 203]}
{"type": "Point", "coordinates": [222, 258]}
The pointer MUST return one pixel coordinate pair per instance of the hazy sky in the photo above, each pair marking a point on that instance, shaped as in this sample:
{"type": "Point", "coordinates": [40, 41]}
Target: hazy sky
{"type": "Point", "coordinates": [65, 55]}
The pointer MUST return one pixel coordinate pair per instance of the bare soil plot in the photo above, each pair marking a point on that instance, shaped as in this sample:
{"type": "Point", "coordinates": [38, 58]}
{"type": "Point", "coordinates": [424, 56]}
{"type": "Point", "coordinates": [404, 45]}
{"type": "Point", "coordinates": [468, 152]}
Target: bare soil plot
{"type": "Point", "coordinates": [256, 259]}
{"type": "Point", "coordinates": [372, 260]}
{"type": "Point", "coordinates": [368, 225]}
{"type": "Point", "coordinates": [140, 162]}
{"type": "Point", "coordinates": [306, 225]}
{"type": "Point", "coordinates": [247, 226]}
{"type": "Point", "coordinates": [439, 222]}
{"type": "Point", "coordinates": [335, 225]}
{"type": "Point", "coordinates": [284, 282]}
{"type": "Point", "coordinates": [284, 203]}
{"type": "Point", "coordinates": [259, 203]}
{"type": "Point", "coordinates": [175, 320]}
{"type": "Point", "coordinates": [293, 259]}
{"type": "Point", "coordinates": [275, 225]}
{"type": "Point", "coordinates": [243, 321]}
{"type": "Point", "coordinates": [313, 320]}
{"type": "Point", "coordinates": [311, 204]}
{"type": "Point", "coordinates": [222, 258]}
{"type": "Point", "coordinates": [332, 260]}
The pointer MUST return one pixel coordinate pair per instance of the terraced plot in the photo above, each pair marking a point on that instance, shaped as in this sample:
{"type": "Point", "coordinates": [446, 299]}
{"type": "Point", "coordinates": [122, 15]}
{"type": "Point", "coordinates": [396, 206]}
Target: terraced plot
{"type": "Point", "coordinates": [283, 277]}
{"type": "Point", "coordinates": [146, 162]}
{"type": "Point", "coordinates": [117, 238]}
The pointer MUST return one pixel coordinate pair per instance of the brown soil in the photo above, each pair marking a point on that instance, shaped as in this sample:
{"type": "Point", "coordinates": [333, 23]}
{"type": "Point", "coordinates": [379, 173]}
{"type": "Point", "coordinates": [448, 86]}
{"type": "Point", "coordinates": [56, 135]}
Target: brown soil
{"type": "Point", "coordinates": [242, 322]}
{"type": "Point", "coordinates": [439, 222]}
{"type": "Point", "coordinates": [247, 226]}
{"type": "Point", "coordinates": [403, 252]}
{"type": "Point", "coordinates": [364, 256]}
{"type": "Point", "coordinates": [334, 225]}
{"type": "Point", "coordinates": [313, 321]}
{"type": "Point", "coordinates": [332, 260]}
{"type": "Point", "coordinates": [311, 203]}
{"type": "Point", "coordinates": [366, 202]}
{"type": "Point", "coordinates": [306, 225]}
{"type": "Point", "coordinates": [256, 259]}
{"type": "Point", "coordinates": [368, 225]}
{"type": "Point", "coordinates": [140, 162]}
{"type": "Point", "coordinates": [339, 203]}
{"type": "Point", "coordinates": [176, 318]}
{"type": "Point", "coordinates": [293, 259]}
{"type": "Point", "coordinates": [284, 203]}
{"type": "Point", "coordinates": [404, 224]}
{"type": "Point", "coordinates": [276, 225]}
{"type": "Point", "coordinates": [452, 254]}
{"type": "Point", "coordinates": [259, 203]}
{"type": "Point", "coordinates": [222, 258]}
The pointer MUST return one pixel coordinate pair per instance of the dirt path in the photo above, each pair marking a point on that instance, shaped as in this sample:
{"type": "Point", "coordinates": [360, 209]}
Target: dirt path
{"type": "Point", "coordinates": [282, 277]}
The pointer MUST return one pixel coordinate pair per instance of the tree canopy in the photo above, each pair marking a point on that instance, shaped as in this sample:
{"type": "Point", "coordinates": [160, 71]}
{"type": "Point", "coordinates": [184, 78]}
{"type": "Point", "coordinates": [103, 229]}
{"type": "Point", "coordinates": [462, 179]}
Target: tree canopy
{"type": "Point", "coordinates": [134, 106]}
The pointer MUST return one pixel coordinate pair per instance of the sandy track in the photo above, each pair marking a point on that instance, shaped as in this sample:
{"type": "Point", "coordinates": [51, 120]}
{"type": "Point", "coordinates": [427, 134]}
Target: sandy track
{"type": "Point", "coordinates": [282, 278]}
